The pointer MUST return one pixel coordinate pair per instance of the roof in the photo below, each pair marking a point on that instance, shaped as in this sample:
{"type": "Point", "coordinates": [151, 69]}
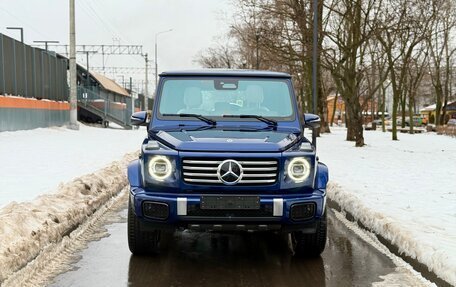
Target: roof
{"type": "Point", "coordinates": [109, 84]}
{"type": "Point", "coordinates": [106, 83]}
{"type": "Point", "coordinates": [431, 108]}
{"type": "Point", "coordinates": [226, 72]}
{"type": "Point", "coordinates": [428, 108]}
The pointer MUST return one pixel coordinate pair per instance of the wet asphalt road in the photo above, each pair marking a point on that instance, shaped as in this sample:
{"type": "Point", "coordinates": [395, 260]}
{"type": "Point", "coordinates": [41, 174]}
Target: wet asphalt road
{"type": "Point", "coordinates": [204, 259]}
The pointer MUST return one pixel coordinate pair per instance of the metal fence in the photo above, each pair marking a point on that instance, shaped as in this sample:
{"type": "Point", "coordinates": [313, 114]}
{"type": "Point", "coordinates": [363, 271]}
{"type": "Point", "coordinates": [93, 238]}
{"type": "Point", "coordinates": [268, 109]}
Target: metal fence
{"type": "Point", "coordinates": [31, 72]}
{"type": "Point", "coordinates": [106, 105]}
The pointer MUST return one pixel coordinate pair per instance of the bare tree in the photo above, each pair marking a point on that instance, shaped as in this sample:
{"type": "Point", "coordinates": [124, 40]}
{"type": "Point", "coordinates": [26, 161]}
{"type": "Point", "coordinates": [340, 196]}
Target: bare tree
{"type": "Point", "coordinates": [348, 37]}
{"type": "Point", "coordinates": [402, 26]}
{"type": "Point", "coordinates": [441, 54]}
{"type": "Point", "coordinates": [415, 73]}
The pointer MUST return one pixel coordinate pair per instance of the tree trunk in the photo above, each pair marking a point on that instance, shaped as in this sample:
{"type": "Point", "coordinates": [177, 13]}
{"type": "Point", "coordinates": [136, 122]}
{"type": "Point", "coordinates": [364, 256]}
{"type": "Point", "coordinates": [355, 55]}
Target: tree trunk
{"type": "Point", "coordinates": [403, 108]}
{"type": "Point", "coordinates": [438, 99]}
{"type": "Point", "coordinates": [383, 108]}
{"type": "Point", "coordinates": [334, 108]}
{"type": "Point", "coordinates": [321, 108]}
{"type": "Point", "coordinates": [394, 116]}
{"type": "Point", "coordinates": [356, 120]}
{"type": "Point", "coordinates": [348, 122]}
{"type": "Point", "coordinates": [410, 110]}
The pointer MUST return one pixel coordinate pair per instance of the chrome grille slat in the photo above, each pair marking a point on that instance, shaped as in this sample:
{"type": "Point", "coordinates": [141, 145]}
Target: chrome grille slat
{"type": "Point", "coordinates": [259, 168]}
{"type": "Point", "coordinates": [199, 168]}
{"type": "Point", "coordinates": [247, 175]}
{"type": "Point", "coordinates": [200, 174]}
{"type": "Point", "coordinates": [203, 180]}
{"type": "Point", "coordinates": [202, 161]}
{"type": "Point", "coordinates": [258, 163]}
{"type": "Point", "coordinates": [257, 181]}
{"type": "Point", "coordinates": [204, 171]}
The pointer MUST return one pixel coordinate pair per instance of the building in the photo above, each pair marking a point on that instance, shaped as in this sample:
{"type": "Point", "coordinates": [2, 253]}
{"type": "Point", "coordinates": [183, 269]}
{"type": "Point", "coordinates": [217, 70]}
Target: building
{"type": "Point", "coordinates": [429, 112]}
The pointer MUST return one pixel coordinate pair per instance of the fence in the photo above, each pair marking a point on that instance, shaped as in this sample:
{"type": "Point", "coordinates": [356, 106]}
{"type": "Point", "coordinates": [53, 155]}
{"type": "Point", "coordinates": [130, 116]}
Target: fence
{"type": "Point", "coordinates": [447, 130]}
{"type": "Point", "coordinates": [106, 105]}
{"type": "Point", "coordinates": [31, 72]}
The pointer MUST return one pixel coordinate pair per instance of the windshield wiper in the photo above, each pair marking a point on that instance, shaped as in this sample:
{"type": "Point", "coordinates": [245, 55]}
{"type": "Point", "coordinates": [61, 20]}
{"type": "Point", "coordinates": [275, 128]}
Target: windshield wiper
{"type": "Point", "coordinates": [260, 118]}
{"type": "Point", "coordinates": [199, 117]}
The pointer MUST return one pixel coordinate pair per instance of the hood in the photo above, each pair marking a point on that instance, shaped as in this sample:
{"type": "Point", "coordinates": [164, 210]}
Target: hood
{"type": "Point", "coordinates": [228, 140]}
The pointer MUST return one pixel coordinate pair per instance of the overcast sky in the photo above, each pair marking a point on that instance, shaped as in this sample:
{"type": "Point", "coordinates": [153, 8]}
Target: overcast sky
{"type": "Point", "coordinates": [195, 23]}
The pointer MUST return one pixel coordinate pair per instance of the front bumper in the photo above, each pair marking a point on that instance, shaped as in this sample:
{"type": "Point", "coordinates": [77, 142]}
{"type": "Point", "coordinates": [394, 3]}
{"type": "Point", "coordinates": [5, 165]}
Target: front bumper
{"type": "Point", "coordinates": [182, 212]}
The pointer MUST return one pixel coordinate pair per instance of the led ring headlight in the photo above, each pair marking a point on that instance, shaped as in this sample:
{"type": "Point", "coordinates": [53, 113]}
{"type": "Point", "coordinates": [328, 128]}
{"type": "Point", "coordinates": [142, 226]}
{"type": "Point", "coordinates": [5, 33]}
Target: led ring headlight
{"type": "Point", "coordinates": [160, 168]}
{"type": "Point", "coordinates": [299, 169]}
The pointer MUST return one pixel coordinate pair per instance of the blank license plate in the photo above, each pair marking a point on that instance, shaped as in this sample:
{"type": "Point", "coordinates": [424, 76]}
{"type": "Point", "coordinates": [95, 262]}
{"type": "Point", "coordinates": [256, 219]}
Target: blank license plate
{"type": "Point", "coordinates": [230, 202]}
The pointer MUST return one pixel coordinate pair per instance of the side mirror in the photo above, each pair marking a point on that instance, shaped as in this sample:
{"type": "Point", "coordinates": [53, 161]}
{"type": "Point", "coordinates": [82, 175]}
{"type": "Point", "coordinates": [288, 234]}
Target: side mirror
{"type": "Point", "coordinates": [139, 118]}
{"type": "Point", "coordinates": [311, 121]}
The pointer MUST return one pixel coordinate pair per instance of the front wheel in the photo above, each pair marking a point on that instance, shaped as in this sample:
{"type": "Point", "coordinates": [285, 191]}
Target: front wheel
{"type": "Point", "coordinates": [312, 244]}
{"type": "Point", "coordinates": [141, 242]}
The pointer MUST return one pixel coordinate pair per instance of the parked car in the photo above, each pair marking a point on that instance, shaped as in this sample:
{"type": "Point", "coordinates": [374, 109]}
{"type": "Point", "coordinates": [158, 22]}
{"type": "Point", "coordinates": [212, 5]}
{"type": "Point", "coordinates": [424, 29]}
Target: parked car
{"type": "Point", "coordinates": [209, 165]}
{"type": "Point", "coordinates": [451, 122]}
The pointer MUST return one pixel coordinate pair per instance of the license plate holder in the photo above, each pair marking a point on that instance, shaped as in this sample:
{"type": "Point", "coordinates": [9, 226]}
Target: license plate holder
{"type": "Point", "coordinates": [230, 202]}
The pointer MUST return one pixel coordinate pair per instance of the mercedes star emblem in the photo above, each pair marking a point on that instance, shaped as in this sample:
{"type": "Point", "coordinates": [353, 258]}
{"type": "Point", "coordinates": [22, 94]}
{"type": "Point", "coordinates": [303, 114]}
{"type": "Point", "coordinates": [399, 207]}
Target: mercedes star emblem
{"type": "Point", "coordinates": [230, 172]}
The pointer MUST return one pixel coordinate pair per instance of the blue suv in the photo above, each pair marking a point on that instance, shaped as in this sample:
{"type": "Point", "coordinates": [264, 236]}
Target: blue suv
{"type": "Point", "coordinates": [225, 151]}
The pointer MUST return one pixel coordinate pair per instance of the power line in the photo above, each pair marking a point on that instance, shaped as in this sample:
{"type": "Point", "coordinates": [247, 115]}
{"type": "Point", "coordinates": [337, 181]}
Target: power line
{"type": "Point", "coordinates": [23, 22]}
{"type": "Point", "coordinates": [101, 49]}
{"type": "Point", "coordinates": [105, 23]}
{"type": "Point", "coordinates": [121, 70]}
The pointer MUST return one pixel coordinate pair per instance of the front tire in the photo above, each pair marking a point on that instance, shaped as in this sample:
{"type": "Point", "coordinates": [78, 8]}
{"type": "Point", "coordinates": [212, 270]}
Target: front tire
{"type": "Point", "coordinates": [313, 244]}
{"type": "Point", "coordinates": [141, 242]}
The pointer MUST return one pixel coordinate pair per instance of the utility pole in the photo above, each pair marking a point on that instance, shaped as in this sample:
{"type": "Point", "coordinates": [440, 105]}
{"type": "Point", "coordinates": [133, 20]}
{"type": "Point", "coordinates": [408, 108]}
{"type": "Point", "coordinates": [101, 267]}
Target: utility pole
{"type": "Point", "coordinates": [156, 54]}
{"type": "Point", "coordinates": [73, 89]}
{"type": "Point", "coordinates": [54, 42]}
{"type": "Point", "coordinates": [146, 90]}
{"type": "Point", "coordinates": [132, 98]}
{"type": "Point", "coordinates": [314, 65]}
{"type": "Point", "coordinates": [18, 28]}
{"type": "Point", "coordinates": [87, 62]}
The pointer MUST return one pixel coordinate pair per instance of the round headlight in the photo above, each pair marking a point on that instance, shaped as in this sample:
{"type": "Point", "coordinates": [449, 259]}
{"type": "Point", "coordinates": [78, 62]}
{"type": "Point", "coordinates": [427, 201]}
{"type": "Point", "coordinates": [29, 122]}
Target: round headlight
{"type": "Point", "coordinates": [160, 168]}
{"type": "Point", "coordinates": [299, 169]}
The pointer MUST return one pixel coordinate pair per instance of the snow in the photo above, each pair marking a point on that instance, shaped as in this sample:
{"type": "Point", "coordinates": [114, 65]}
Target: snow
{"type": "Point", "coordinates": [34, 162]}
{"type": "Point", "coordinates": [403, 190]}
{"type": "Point", "coordinates": [28, 227]}
{"type": "Point", "coordinates": [36, 208]}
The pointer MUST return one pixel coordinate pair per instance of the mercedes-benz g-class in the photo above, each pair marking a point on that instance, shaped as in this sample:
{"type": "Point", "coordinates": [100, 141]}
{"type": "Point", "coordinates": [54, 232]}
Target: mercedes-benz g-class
{"type": "Point", "coordinates": [225, 151]}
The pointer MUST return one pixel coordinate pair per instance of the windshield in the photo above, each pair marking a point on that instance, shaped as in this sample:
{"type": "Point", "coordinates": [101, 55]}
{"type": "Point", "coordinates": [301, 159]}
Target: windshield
{"type": "Point", "coordinates": [216, 97]}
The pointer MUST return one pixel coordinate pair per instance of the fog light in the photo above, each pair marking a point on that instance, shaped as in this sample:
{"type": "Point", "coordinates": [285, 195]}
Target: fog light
{"type": "Point", "coordinates": [302, 211]}
{"type": "Point", "coordinates": [155, 210]}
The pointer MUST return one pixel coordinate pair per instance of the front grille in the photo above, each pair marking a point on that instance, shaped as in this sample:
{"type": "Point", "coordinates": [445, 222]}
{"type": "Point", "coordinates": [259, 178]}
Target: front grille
{"type": "Point", "coordinates": [255, 171]}
{"type": "Point", "coordinates": [264, 211]}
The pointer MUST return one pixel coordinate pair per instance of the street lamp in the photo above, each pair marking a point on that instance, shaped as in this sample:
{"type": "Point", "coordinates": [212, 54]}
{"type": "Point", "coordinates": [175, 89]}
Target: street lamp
{"type": "Point", "coordinates": [156, 62]}
{"type": "Point", "coordinates": [18, 28]}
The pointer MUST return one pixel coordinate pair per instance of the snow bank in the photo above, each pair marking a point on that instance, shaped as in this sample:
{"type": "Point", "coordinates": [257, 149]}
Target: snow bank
{"type": "Point", "coordinates": [57, 258]}
{"type": "Point", "coordinates": [34, 162]}
{"type": "Point", "coordinates": [26, 228]}
{"type": "Point", "coordinates": [403, 190]}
